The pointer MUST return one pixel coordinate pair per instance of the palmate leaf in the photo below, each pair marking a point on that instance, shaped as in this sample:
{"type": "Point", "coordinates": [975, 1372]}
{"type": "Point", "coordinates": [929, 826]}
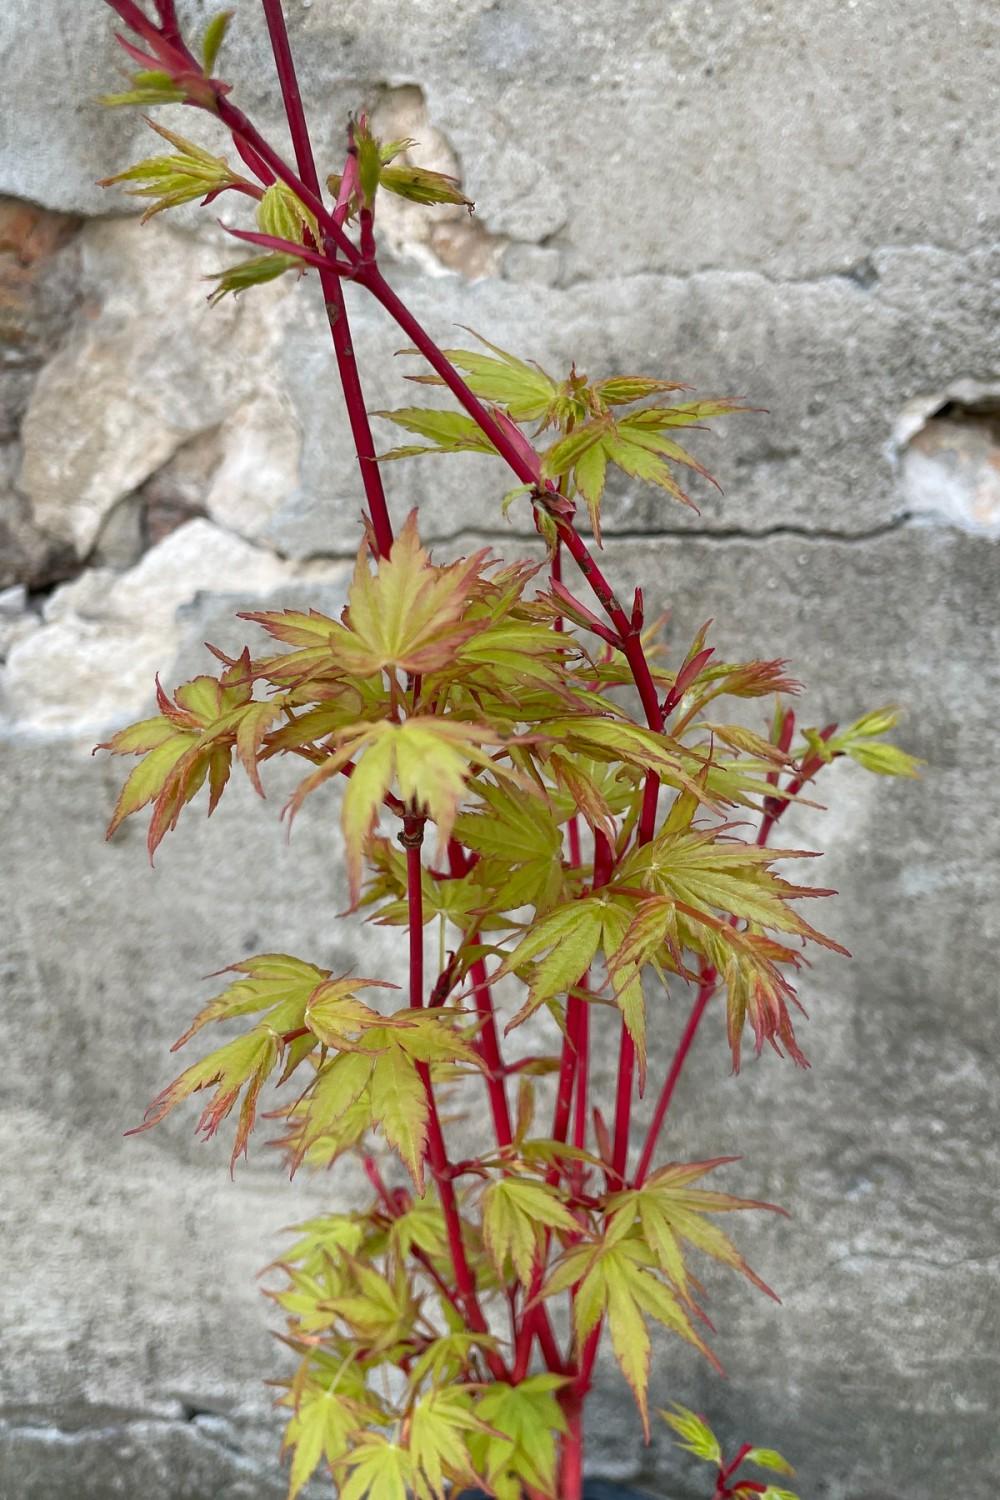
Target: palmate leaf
{"type": "Point", "coordinates": [568, 937]}
{"type": "Point", "coordinates": [275, 982]}
{"type": "Point", "coordinates": [523, 389]}
{"type": "Point", "coordinates": [709, 871]}
{"type": "Point", "coordinates": [616, 1282]}
{"type": "Point", "coordinates": [635, 443]}
{"type": "Point", "coordinates": [379, 1310]}
{"type": "Point", "coordinates": [377, 1470]}
{"type": "Point", "coordinates": [324, 1238]}
{"type": "Point", "coordinates": [191, 740]}
{"type": "Point", "coordinates": [332, 1115]}
{"type": "Point", "coordinates": [445, 1358]}
{"type": "Point", "coordinates": [670, 1214]}
{"type": "Point", "coordinates": [190, 174]}
{"type": "Point", "coordinates": [516, 1213]}
{"type": "Point", "coordinates": [520, 1448]}
{"type": "Point", "coordinates": [446, 431]}
{"type": "Point", "coordinates": [284, 987]}
{"type": "Point", "coordinates": [240, 1067]}
{"type": "Point", "coordinates": [325, 1425]}
{"type": "Point", "coordinates": [698, 882]}
{"type": "Point", "coordinates": [397, 1092]}
{"type": "Point", "coordinates": [410, 614]}
{"type": "Point", "coordinates": [617, 739]}
{"type": "Point", "coordinates": [399, 1105]}
{"type": "Point", "coordinates": [429, 760]}
{"type": "Point", "coordinates": [439, 1425]}
{"type": "Point", "coordinates": [521, 847]}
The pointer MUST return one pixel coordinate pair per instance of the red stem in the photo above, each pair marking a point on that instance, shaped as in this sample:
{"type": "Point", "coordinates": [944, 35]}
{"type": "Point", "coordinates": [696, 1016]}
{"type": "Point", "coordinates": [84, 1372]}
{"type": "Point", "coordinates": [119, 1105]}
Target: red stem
{"type": "Point", "coordinates": [730, 1469]}
{"type": "Point", "coordinates": [489, 1041]}
{"type": "Point", "coordinates": [333, 291]}
{"type": "Point", "coordinates": [437, 1154]}
{"type": "Point", "coordinates": [705, 992]}
{"type": "Point", "coordinates": [571, 1465]}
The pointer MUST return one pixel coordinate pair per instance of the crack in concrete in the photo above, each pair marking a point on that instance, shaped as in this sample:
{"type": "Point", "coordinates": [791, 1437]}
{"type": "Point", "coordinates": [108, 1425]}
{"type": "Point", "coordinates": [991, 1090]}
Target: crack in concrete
{"type": "Point", "coordinates": [696, 534]}
{"type": "Point", "coordinates": [219, 1433]}
{"type": "Point", "coordinates": [720, 534]}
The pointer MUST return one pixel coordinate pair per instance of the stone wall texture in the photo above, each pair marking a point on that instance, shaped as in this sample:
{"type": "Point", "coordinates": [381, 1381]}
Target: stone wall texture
{"type": "Point", "coordinates": [786, 198]}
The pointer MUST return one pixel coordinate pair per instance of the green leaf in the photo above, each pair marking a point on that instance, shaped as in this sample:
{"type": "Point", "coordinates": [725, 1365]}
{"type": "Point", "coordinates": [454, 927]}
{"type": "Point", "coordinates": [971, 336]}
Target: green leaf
{"type": "Point", "coordinates": [620, 390]}
{"type": "Point", "coordinates": [274, 982]}
{"type": "Point", "coordinates": [333, 1114]}
{"type": "Point", "coordinates": [280, 214]}
{"type": "Point", "coordinates": [767, 1458]}
{"type": "Point", "coordinates": [448, 431]}
{"type": "Point", "coordinates": [243, 1066]}
{"type": "Point", "coordinates": [254, 272]}
{"type": "Point", "coordinates": [191, 174]}
{"type": "Point", "coordinates": [567, 452]}
{"type": "Point", "coordinates": [635, 459]}
{"type": "Point", "coordinates": [149, 86]}
{"type": "Point", "coordinates": [379, 1471]}
{"type": "Point", "coordinates": [697, 1437]}
{"type": "Point", "coordinates": [369, 164]}
{"type": "Point", "coordinates": [399, 1105]}
{"type": "Point", "coordinates": [211, 42]}
{"type": "Point", "coordinates": [857, 742]}
{"type": "Point", "coordinates": [670, 1212]}
{"type": "Point", "coordinates": [614, 1282]}
{"type": "Point", "coordinates": [525, 390]}
{"type": "Point", "coordinates": [149, 777]}
{"type": "Point", "coordinates": [422, 186]}
{"type": "Point", "coordinates": [526, 1420]}
{"type": "Point", "coordinates": [569, 937]}
{"type": "Point", "coordinates": [429, 758]}
{"type": "Point", "coordinates": [440, 1424]}
{"type": "Point", "coordinates": [324, 1426]}
{"type": "Point", "coordinates": [884, 760]}
{"type": "Point", "coordinates": [516, 1212]}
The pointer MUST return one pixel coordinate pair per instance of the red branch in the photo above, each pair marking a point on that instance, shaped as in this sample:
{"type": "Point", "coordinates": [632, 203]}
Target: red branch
{"type": "Point", "coordinates": [333, 291]}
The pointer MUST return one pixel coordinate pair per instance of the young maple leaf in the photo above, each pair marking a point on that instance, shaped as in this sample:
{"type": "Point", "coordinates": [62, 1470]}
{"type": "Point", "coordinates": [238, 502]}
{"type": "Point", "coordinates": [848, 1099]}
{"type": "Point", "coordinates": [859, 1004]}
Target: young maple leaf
{"type": "Point", "coordinates": [410, 614]}
{"type": "Point", "coordinates": [379, 1470]}
{"type": "Point", "coordinates": [429, 759]}
{"type": "Point", "coordinates": [192, 739]}
{"type": "Point", "coordinates": [520, 1447]}
{"type": "Point", "coordinates": [566, 940]}
{"type": "Point", "coordinates": [613, 1279]}
{"type": "Point", "coordinates": [669, 1211]}
{"type": "Point", "coordinates": [285, 988]}
{"type": "Point", "coordinates": [328, 1420]}
{"type": "Point", "coordinates": [516, 1214]}
{"type": "Point", "coordinates": [438, 1428]}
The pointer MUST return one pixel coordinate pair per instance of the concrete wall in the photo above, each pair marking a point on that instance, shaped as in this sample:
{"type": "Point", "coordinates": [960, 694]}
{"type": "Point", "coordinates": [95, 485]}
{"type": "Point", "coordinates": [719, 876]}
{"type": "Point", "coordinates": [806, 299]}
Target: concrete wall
{"type": "Point", "coordinates": [791, 200]}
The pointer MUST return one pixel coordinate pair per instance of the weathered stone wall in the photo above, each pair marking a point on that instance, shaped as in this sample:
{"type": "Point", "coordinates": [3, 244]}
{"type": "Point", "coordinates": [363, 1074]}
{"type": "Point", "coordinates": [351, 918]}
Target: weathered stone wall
{"type": "Point", "coordinates": [792, 200]}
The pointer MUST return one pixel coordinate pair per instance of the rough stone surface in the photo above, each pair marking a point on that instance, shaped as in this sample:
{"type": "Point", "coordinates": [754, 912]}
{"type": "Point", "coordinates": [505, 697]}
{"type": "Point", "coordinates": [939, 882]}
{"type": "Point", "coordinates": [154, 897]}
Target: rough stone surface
{"type": "Point", "coordinates": [793, 202]}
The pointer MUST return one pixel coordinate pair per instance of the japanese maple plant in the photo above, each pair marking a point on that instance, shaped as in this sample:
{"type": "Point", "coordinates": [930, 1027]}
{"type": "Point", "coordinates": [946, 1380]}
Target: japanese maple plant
{"type": "Point", "coordinates": [522, 767]}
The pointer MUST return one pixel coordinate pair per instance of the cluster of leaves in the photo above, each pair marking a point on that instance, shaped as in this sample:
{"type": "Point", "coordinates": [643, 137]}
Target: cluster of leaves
{"type": "Point", "coordinates": [698, 1438]}
{"type": "Point", "coordinates": [464, 699]}
{"type": "Point", "coordinates": [443, 695]}
{"type": "Point", "coordinates": [594, 429]}
{"type": "Point", "coordinates": [374, 170]}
